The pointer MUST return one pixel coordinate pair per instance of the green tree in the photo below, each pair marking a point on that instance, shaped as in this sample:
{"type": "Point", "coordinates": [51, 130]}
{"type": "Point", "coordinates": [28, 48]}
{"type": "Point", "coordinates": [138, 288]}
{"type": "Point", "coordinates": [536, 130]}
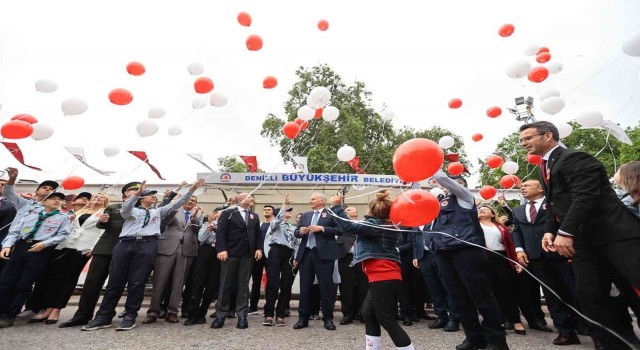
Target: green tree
{"type": "Point", "coordinates": [233, 164]}
{"type": "Point", "coordinates": [358, 126]}
{"type": "Point", "coordinates": [629, 153]}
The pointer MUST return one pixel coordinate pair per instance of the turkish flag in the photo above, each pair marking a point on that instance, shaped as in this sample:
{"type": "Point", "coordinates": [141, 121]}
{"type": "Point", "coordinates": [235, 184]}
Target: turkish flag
{"type": "Point", "coordinates": [143, 157]}
{"type": "Point", "coordinates": [17, 153]}
{"type": "Point", "coordinates": [355, 164]}
{"type": "Point", "coordinates": [251, 162]}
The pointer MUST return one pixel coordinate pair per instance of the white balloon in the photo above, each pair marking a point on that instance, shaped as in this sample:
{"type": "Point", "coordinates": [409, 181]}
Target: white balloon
{"type": "Point", "coordinates": [510, 167]}
{"type": "Point", "coordinates": [313, 104]}
{"type": "Point", "coordinates": [320, 95]}
{"type": "Point", "coordinates": [555, 67]}
{"type": "Point", "coordinates": [147, 128]}
{"type": "Point", "coordinates": [218, 99]}
{"type": "Point", "coordinates": [590, 118]}
{"type": "Point", "coordinates": [41, 131]}
{"type": "Point", "coordinates": [330, 113]}
{"type": "Point", "coordinates": [437, 191]}
{"type": "Point", "coordinates": [156, 112]}
{"type": "Point", "coordinates": [198, 103]}
{"type": "Point", "coordinates": [195, 68]}
{"type": "Point", "coordinates": [632, 46]}
{"type": "Point", "coordinates": [388, 114]}
{"type": "Point", "coordinates": [346, 153]}
{"type": "Point", "coordinates": [305, 113]}
{"type": "Point", "coordinates": [175, 130]}
{"type": "Point", "coordinates": [518, 69]}
{"type": "Point", "coordinates": [74, 106]}
{"type": "Point", "coordinates": [564, 129]}
{"type": "Point", "coordinates": [552, 105]}
{"type": "Point", "coordinates": [111, 151]}
{"type": "Point", "coordinates": [531, 50]}
{"type": "Point", "coordinates": [446, 142]}
{"type": "Point", "coordinates": [46, 85]}
{"type": "Point", "coordinates": [548, 93]}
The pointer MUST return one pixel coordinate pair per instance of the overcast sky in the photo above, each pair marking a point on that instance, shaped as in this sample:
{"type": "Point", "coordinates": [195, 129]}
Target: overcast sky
{"type": "Point", "coordinates": [413, 55]}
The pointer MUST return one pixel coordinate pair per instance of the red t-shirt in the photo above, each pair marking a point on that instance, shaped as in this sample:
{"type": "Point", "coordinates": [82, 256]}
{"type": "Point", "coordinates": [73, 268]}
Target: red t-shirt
{"type": "Point", "coordinates": [381, 270]}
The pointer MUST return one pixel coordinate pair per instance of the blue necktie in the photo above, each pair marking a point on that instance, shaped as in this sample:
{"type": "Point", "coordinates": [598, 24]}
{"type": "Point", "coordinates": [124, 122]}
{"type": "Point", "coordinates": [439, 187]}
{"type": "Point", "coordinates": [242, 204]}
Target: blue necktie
{"type": "Point", "coordinates": [186, 217]}
{"type": "Point", "coordinates": [311, 242]}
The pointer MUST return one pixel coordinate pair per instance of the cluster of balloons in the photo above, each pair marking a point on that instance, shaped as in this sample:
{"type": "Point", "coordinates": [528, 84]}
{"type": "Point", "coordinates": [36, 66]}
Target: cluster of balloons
{"type": "Point", "coordinates": [521, 67]}
{"type": "Point", "coordinates": [316, 107]}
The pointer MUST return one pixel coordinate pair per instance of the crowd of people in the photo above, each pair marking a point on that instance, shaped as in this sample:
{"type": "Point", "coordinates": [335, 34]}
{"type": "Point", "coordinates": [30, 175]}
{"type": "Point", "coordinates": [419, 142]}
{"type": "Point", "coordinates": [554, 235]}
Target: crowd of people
{"type": "Point", "coordinates": [577, 237]}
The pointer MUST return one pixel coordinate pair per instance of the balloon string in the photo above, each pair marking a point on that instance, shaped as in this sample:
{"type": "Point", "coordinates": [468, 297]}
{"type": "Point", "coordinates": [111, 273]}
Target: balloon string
{"type": "Point", "coordinates": [385, 227]}
{"type": "Point", "coordinates": [405, 196]}
{"type": "Point", "coordinates": [375, 151]}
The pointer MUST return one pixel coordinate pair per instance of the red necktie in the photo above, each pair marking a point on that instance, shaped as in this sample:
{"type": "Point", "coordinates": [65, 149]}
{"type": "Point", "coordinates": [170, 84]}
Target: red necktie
{"type": "Point", "coordinates": [545, 173]}
{"type": "Point", "coordinates": [532, 212]}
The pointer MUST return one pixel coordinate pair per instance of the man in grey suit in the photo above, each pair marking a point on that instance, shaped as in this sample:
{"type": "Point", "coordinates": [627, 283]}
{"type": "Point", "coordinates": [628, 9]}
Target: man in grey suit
{"type": "Point", "coordinates": [177, 247]}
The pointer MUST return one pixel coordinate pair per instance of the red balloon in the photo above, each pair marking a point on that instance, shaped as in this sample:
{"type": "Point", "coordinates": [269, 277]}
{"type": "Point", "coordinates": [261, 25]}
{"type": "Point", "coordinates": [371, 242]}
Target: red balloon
{"type": "Point", "coordinates": [135, 68]}
{"type": "Point", "coordinates": [477, 137]}
{"type": "Point", "coordinates": [291, 130]}
{"type": "Point", "coordinates": [494, 161]}
{"type": "Point", "coordinates": [455, 168]}
{"type": "Point", "coordinates": [302, 123]}
{"type": "Point", "coordinates": [120, 97]}
{"type": "Point", "coordinates": [72, 183]}
{"type": "Point", "coordinates": [417, 159]}
{"type": "Point", "coordinates": [542, 49]}
{"type": "Point", "coordinates": [254, 42]}
{"type": "Point", "coordinates": [203, 85]}
{"type": "Point", "coordinates": [323, 24]}
{"type": "Point", "coordinates": [538, 74]}
{"type": "Point", "coordinates": [244, 19]}
{"type": "Point", "coordinates": [494, 112]}
{"type": "Point", "coordinates": [16, 129]}
{"type": "Point", "coordinates": [269, 82]}
{"type": "Point", "coordinates": [488, 192]}
{"type": "Point", "coordinates": [506, 30]}
{"type": "Point", "coordinates": [318, 114]}
{"type": "Point", "coordinates": [543, 57]}
{"type": "Point", "coordinates": [25, 118]}
{"type": "Point", "coordinates": [509, 181]}
{"type": "Point", "coordinates": [534, 159]}
{"type": "Point", "coordinates": [414, 208]}
{"type": "Point", "coordinates": [455, 103]}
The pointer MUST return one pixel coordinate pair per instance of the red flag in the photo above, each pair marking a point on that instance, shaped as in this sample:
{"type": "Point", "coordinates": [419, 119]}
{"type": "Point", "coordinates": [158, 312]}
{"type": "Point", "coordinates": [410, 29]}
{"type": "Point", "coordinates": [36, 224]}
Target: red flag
{"type": "Point", "coordinates": [355, 164]}
{"type": "Point", "coordinates": [143, 157]}
{"type": "Point", "coordinates": [453, 157]}
{"type": "Point", "coordinates": [17, 153]}
{"type": "Point", "coordinates": [251, 162]}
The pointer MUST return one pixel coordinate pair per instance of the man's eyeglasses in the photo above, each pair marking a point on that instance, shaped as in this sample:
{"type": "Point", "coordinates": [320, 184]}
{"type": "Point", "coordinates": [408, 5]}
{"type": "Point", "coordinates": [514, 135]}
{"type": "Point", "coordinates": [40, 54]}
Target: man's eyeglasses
{"type": "Point", "coordinates": [529, 138]}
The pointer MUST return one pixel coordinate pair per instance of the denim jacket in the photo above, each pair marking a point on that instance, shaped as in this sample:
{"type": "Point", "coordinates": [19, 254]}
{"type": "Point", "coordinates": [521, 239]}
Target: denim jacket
{"type": "Point", "coordinates": [371, 242]}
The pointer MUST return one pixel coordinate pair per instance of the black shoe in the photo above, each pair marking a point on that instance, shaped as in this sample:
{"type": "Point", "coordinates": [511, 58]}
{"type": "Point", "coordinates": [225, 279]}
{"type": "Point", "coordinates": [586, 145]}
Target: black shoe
{"type": "Point", "coordinates": [99, 322]}
{"type": "Point", "coordinates": [346, 320]}
{"type": "Point", "coordinates": [439, 323]}
{"type": "Point", "coordinates": [189, 321]}
{"type": "Point", "coordinates": [451, 326]}
{"type": "Point", "coordinates": [127, 323]}
{"type": "Point", "coordinates": [242, 323]}
{"type": "Point", "coordinates": [6, 322]}
{"type": "Point", "coordinates": [218, 323]}
{"type": "Point", "coordinates": [201, 320]}
{"type": "Point", "coordinates": [73, 323]}
{"type": "Point", "coordinates": [48, 321]}
{"type": "Point", "coordinates": [566, 339]}
{"type": "Point", "coordinates": [121, 315]}
{"type": "Point", "coordinates": [328, 325]}
{"type": "Point", "coordinates": [538, 326]}
{"type": "Point", "coordinates": [501, 346]}
{"type": "Point", "coordinates": [213, 315]}
{"type": "Point", "coordinates": [37, 320]}
{"type": "Point", "coordinates": [520, 331]}
{"type": "Point", "coordinates": [467, 345]}
{"type": "Point", "coordinates": [407, 321]}
{"type": "Point", "coordinates": [508, 325]}
{"type": "Point", "coordinates": [301, 324]}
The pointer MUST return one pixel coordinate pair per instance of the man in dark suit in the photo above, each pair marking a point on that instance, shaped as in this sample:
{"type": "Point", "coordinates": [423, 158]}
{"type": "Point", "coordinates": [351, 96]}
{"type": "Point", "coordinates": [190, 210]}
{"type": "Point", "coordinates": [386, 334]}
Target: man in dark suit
{"type": "Point", "coordinates": [7, 214]}
{"type": "Point", "coordinates": [589, 224]}
{"type": "Point", "coordinates": [316, 257]}
{"type": "Point", "coordinates": [238, 242]}
{"type": "Point", "coordinates": [530, 220]}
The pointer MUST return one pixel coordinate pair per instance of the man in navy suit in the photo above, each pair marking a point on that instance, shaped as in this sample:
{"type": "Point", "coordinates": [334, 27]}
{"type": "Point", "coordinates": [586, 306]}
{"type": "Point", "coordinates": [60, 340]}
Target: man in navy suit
{"type": "Point", "coordinates": [238, 242]}
{"type": "Point", "coordinates": [316, 257]}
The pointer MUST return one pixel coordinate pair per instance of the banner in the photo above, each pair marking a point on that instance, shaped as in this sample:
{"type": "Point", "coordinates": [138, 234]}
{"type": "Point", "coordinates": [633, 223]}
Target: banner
{"type": "Point", "coordinates": [303, 179]}
{"type": "Point", "coordinates": [251, 162]}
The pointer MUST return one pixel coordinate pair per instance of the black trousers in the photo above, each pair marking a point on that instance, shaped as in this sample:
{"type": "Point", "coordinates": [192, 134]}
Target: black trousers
{"type": "Point", "coordinates": [312, 266]}
{"type": "Point", "coordinates": [379, 309]}
{"type": "Point", "coordinates": [279, 277]}
{"type": "Point", "coordinates": [63, 277]}
{"type": "Point", "coordinates": [594, 268]}
{"type": "Point", "coordinates": [17, 278]}
{"type": "Point", "coordinates": [188, 289]}
{"type": "Point", "coordinates": [354, 286]}
{"type": "Point", "coordinates": [93, 283]}
{"type": "Point", "coordinates": [256, 282]}
{"type": "Point", "coordinates": [206, 281]}
{"type": "Point", "coordinates": [234, 271]}
{"type": "Point", "coordinates": [131, 264]}
{"type": "Point", "coordinates": [443, 305]}
{"type": "Point", "coordinates": [36, 301]}
{"type": "Point", "coordinates": [413, 293]}
{"type": "Point", "coordinates": [465, 274]}
{"type": "Point", "coordinates": [503, 280]}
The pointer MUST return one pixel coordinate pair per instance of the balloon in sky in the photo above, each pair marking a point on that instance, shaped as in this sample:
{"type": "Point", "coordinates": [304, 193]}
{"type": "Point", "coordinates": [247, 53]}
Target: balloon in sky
{"type": "Point", "coordinates": [74, 106]}
{"type": "Point", "coordinates": [330, 113]}
{"type": "Point", "coordinates": [477, 137]}
{"type": "Point", "coordinates": [488, 192]}
{"type": "Point", "coordinates": [555, 67]}
{"type": "Point", "coordinates": [531, 50]}
{"type": "Point", "coordinates": [16, 129]}
{"type": "Point", "coordinates": [548, 93]}
{"type": "Point", "coordinates": [41, 131]}
{"type": "Point", "coordinates": [552, 105]}
{"type": "Point", "coordinates": [631, 46]}
{"type": "Point", "coordinates": [590, 118]}
{"type": "Point", "coordinates": [305, 113]}
{"type": "Point", "coordinates": [414, 208]}
{"type": "Point", "coordinates": [534, 159]}
{"type": "Point", "coordinates": [156, 113]}
{"type": "Point", "coordinates": [323, 24]}
{"type": "Point", "coordinates": [218, 99]}
{"type": "Point", "coordinates": [254, 42]}
{"type": "Point", "coordinates": [494, 161]}
{"type": "Point", "coordinates": [506, 30]}
{"type": "Point", "coordinates": [72, 183]}
{"type": "Point", "coordinates": [346, 153]}
{"type": "Point", "coordinates": [46, 85]}
{"type": "Point", "coordinates": [25, 118]}
{"type": "Point", "coordinates": [269, 82]}
{"type": "Point", "coordinates": [302, 123]}
{"type": "Point", "coordinates": [175, 130]}
{"type": "Point", "coordinates": [388, 114]}
{"type": "Point", "coordinates": [455, 168]}
{"type": "Point", "coordinates": [244, 19]}
{"type": "Point", "coordinates": [509, 181]}
{"type": "Point", "coordinates": [203, 85]}
{"type": "Point", "coordinates": [318, 113]}
{"type": "Point", "coordinates": [564, 129]}
{"type": "Point", "coordinates": [446, 142]}
{"type": "Point", "coordinates": [135, 68]}
{"type": "Point", "coordinates": [120, 97]}
{"type": "Point", "coordinates": [291, 130]}
{"type": "Point", "coordinates": [111, 151]}
{"type": "Point", "coordinates": [320, 95]}
{"type": "Point", "coordinates": [538, 74]}
{"type": "Point", "coordinates": [455, 103]}
{"type": "Point", "coordinates": [543, 57]}
{"type": "Point", "coordinates": [147, 128]}
{"type": "Point", "coordinates": [494, 112]}
{"type": "Point", "coordinates": [510, 167]}
{"type": "Point", "coordinates": [518, 69]}
{"type": "Point", "coordinates": [417, 159]}
{"type": "Point", "coordinates": [195, 68]}
{"type": "Point", "coordinates": [198, 103]}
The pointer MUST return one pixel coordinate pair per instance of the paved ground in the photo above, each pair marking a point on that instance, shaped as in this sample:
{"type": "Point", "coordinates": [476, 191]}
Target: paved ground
{"type": "Point", "coordinates": [163, 335]}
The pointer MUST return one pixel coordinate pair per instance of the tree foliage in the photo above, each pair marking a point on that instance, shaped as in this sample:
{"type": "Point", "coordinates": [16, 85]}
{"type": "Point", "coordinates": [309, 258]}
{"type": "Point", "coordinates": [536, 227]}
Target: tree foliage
{"type": "Point", "coordinates": [233, 164]}
{"type": "Point", "coordinates": [358, 126]}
